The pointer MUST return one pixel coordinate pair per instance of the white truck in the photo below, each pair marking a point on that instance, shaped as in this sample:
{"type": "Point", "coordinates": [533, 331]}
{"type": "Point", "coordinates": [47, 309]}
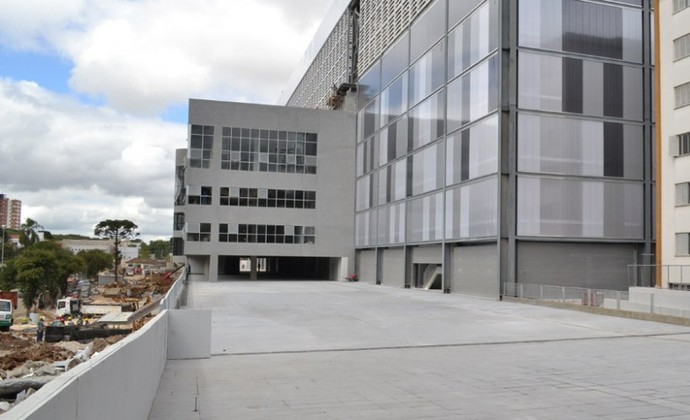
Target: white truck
{"type": "Point", "coordinates": [74, 306]}
{"type": "Point", "coordinates": [6, 314]}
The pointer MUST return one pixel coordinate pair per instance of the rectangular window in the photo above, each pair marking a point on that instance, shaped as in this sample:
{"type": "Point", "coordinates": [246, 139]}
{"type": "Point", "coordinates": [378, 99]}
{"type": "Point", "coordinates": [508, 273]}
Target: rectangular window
{"type": "Point", "coordinates": [679, 5]}
{"type": "Point", "coordinates": [234, 233]}
{"type": "Point", "coordinates": [200, 146]}
{"type": "Point", "coordinates": [179, 221]}
{"type": "Point", "coordinates": [177, 246]}
{"type": "Point", "coordinates": [682, 95]}
{"type": "Point", "coordinates": [681, 47]}
{"type": "Point", "coordinates": [200, 195]}
{"type": "Point", "coordinates": [683, 243]}
{"type": "Point", "coordinates": [682, 143]}
{"type": "Point", "coordinates": [683, 194]}
{"type": "Point", "coordinates": [261, 150]}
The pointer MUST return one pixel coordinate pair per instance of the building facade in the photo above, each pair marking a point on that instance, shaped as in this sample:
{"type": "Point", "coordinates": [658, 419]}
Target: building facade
{"type": "Point", "coordinates": [265, 191]}
{"type": "Point", "coordinates": [502, 141]}
{"type": "Point", "coordinates": [674, 155]}
{"type": "Point", "coordinates": [10, 212]}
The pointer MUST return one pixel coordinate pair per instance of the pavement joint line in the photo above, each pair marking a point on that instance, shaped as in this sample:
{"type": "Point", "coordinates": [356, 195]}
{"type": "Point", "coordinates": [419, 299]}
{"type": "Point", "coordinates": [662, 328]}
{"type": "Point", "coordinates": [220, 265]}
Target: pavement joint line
{"type": "Point", "coordinates": [432, 346]}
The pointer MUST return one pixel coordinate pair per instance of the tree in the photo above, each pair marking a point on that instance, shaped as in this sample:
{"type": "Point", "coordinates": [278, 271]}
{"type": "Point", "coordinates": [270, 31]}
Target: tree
{"type": "Point", "coordinates": [41, 268]}
{"type": "Point", "coordinates": [117, 230]}
{"type": "Point", "coordinates": [29, 232]}
{"type": "Point", "coordinates": [95, 261]}
{"type": "Point", "coordinates": [160, 248]}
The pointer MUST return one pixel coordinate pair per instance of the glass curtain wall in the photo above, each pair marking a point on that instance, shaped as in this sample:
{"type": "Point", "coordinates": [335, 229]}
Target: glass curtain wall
{"type": "Point", "coordinates": [428, 130]}
{"type": "Point", "coordinates": [580, 137]}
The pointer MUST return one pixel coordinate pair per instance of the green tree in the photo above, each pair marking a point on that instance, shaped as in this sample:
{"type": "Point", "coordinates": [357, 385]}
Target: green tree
{"type": "Point", "coordinates": [160, 248]}
{"type": "Point", "coordinates": [117, 230]}
{"type": "Point", "coordinates": [144, 251]}
{"type": "Point", "coordinates": [41, 268]}
{"type": "Point", "coordinates": [94, 261]}
{"type": "Point", "coordinates": [29, 232]}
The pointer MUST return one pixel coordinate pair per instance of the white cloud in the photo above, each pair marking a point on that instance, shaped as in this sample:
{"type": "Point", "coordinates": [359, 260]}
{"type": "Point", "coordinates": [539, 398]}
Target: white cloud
{"type": "Point", "coordinates": [142, 56]}
{"type": "Point", "coordinates": [74, 165]}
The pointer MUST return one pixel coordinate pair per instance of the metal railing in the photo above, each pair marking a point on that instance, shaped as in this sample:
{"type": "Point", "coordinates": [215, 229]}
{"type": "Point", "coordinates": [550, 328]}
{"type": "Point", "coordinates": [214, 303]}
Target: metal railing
{"type": "Point", "coordinates": [672, 275]}
{"type": "Point", "coordinates": [562, 294]}
{"type": "Point", "coordinates": [650, 300]}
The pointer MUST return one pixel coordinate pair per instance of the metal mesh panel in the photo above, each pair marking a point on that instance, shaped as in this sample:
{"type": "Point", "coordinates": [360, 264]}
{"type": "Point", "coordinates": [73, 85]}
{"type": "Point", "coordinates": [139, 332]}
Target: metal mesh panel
{"type": "Point", "coordinates": [330, 67]}
{"type": "Point", "coordinates": [381, 22]}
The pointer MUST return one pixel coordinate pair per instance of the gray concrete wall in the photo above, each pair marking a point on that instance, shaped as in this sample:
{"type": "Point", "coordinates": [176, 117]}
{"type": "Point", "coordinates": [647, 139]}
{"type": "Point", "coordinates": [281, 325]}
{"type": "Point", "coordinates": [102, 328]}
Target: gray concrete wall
{"type": "Point", "coordinates": [119, 383]}
{"type": "Point", "coordinates": [393, 267]}
{"type": "Point", "coordinates": [189, 334]}
{"type": "Point", "coordinates": [475, 270]}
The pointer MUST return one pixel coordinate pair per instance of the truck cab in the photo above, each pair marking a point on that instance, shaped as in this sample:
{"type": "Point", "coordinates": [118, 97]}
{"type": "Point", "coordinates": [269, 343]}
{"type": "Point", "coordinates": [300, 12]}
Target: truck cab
{"type": "Point", "coordinates": [6, 314]}
{"type": "Point", "coordinates": [68, 306]}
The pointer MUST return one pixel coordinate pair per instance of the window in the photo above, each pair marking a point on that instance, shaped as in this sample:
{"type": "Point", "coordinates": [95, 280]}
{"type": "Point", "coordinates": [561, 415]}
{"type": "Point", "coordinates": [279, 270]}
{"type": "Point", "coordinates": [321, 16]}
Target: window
{"type": "Point", "coordinates": [177, 246]}
{"type": "Point", "coordinates": [251, 149]}
{"type": "Point", "coordinates": [681, 47]}
{"type": "Point", "coordinates": [679, 5]}
{"type": "Point", "coordinates": [271, 234]}
{"type": "Point", "coordinates": [179, 221]}
{"type": "Point", "coordinates": [201, 146]}
{"type": "Point", "coordinates": [199, 195]}
{"type": "Point", "coordinates": [683, 243]}
{"type": "Point", "coordinates": [198, 232]}
{"type": "Point", "coordinates": [683, 194]}
{"type": "Point", "coordinates": [265, 197]}
{"type": "Point", "coordinates": [682, 143]}
{"type": "Point", "coordinates": [682, 95]}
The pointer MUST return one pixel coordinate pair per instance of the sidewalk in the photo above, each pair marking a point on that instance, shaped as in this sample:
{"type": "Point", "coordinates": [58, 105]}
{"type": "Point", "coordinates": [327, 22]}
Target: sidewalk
{"type": "Point", "coordinates": [338, 350]}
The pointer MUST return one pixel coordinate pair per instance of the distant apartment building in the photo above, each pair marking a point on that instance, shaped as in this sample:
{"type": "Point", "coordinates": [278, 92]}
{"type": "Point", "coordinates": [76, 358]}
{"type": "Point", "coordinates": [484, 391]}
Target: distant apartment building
{"type": "Point", "coordinates": [265, 191]}
{"type": "Point", "coordinates": [674, 140]}
{"type": "Point", "coordinates": [10, 212]}
{"type": "Point", "coordinates": [128, 250]}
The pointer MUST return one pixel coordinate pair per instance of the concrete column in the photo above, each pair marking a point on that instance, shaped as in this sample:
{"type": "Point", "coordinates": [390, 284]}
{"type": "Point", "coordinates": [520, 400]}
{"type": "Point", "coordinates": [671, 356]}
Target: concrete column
{"type": "Point", "coordinates": [212, 267]}
{"type": "Point", "coordinates": [252, 272]}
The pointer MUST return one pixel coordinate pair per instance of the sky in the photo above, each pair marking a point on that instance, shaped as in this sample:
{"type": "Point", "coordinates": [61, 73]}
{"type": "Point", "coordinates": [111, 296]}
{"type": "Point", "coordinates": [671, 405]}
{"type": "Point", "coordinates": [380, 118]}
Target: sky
{"type": "Point", "coordinates": [94, 93]}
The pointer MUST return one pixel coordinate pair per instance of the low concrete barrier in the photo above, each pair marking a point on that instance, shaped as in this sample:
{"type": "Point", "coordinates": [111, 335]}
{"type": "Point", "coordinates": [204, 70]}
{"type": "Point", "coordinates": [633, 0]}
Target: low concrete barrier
{"type": "Point", "coordinates": [121, 382]}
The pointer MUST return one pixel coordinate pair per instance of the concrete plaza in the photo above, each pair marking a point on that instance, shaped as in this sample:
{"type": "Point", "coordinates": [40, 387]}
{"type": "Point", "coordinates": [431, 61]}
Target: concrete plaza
{"type": "Point", "coordinates": [336, 350]}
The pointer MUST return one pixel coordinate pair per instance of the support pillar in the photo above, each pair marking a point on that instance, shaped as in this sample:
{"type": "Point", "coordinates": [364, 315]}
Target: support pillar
{"type": "Point", "coordinates": [252, 272]}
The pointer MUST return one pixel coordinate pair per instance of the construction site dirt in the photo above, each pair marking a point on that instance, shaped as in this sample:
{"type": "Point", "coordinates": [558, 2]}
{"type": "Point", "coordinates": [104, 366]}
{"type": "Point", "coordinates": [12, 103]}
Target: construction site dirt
{"type": "Point", "coordinates": [27, 364]}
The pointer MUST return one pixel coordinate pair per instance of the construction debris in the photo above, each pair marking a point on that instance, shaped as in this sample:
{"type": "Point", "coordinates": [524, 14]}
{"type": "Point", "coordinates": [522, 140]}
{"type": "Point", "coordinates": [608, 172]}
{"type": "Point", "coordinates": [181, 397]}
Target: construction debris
{"type": "Point", "coordinates": [72, 338]}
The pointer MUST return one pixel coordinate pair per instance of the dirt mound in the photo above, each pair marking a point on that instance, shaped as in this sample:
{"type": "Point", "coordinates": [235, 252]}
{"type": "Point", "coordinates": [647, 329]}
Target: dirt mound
{"type": "Point", "coordinates": [32, 351]}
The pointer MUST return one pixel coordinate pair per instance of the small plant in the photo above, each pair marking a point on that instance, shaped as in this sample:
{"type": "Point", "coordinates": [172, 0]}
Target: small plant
{"type": "Point", "coordinates": [352, 277]}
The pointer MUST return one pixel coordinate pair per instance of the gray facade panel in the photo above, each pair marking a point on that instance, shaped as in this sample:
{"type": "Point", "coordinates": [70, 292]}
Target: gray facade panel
{"type": "Point", "coordinates": [427, 254]}
{"type": "Point", "coordinates": [367, 266]}
{"type": "Point", "coordinates": [475, 270]}
{"type": "Point", "coordinates": [393, 267]}
{"type": "Point", "coordinates": [601, 266]}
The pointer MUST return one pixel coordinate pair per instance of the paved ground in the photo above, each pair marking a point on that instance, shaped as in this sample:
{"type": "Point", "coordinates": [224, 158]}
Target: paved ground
{"type": "Point", "coordinates": [335, 350]}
